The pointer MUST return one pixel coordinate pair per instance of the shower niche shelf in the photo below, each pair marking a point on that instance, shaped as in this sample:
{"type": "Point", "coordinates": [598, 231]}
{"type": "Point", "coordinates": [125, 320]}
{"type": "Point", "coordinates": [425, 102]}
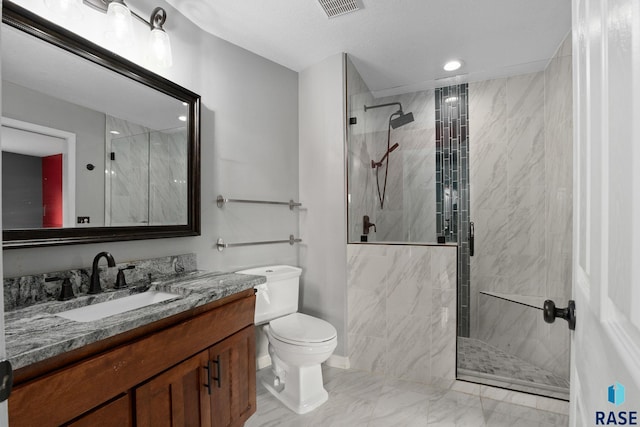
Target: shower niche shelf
{"type": "Point", "coordinates": [526, 300]}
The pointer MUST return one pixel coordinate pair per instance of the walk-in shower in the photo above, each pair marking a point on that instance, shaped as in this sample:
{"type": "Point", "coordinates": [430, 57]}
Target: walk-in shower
{"type": "Point", "coordinates": [493, 157]}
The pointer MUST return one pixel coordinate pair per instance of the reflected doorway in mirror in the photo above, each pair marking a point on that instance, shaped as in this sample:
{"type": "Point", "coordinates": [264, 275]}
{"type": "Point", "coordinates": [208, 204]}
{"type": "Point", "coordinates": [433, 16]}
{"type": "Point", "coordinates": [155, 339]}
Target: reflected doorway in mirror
{"type": "Point", "coordinates": [29, 139]}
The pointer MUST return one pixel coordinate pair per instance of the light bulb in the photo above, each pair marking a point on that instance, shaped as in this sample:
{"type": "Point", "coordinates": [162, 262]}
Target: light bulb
{"type": "Point", "coordinates": [119, 26]}
{"type": "Point", "coordinates": [159, 50]}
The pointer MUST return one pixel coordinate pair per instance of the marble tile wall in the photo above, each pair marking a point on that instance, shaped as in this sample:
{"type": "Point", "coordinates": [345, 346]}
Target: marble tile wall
{"type": "Point", "coordinates": [168, 177]}
{"type": "Point", "coordinates": [127, 183]}
{"type": "Point", "coordinates": [148, 178]}
{"type": "Point", "coordinates": [402, 310]}
{"type": "Point", "coordinates": [409, 207]}
{"type": "Point", "coordinates": [559, 172]}
{"type": "Point", "coordinates": [25, 291]}
{"type": "Point", "coordinates": [521, 174]}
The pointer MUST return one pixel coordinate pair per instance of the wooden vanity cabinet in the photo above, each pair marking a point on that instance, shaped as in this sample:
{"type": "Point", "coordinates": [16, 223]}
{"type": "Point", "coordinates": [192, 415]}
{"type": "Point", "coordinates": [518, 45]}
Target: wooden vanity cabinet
{"type": "Point", "coordinates": [175, 397]}
{"type": "Point", "coordinates": [215, 388]}
{"type": "Point", "coordinates": [116, 413]}
{"type": "Point", "coordinates": [158, 376]}
{"type": "Point", "coordinates": [233, 390]}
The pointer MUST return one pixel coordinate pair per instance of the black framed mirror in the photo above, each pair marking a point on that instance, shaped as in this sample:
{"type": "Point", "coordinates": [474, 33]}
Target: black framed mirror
{"type": "Point", "coordinates": [122, 161]}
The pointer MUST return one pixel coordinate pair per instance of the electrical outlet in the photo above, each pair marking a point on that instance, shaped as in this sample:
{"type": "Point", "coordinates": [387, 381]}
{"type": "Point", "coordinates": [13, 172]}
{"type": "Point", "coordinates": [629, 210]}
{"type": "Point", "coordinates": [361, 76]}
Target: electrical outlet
{"type": "Point", "coordinates": [83, 220]}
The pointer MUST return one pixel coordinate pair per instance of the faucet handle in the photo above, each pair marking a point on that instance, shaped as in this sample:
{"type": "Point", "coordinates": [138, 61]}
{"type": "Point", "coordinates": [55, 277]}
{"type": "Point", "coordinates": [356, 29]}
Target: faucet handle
{"type": "Point", "coordinates": [121, 281]}
{"type": "Point", "coordinates": [66, 292]}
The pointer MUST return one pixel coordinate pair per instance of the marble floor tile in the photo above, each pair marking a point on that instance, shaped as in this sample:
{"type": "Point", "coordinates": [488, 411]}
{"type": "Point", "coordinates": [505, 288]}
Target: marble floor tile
{"type": "Point", "coordinates": [362, 399]}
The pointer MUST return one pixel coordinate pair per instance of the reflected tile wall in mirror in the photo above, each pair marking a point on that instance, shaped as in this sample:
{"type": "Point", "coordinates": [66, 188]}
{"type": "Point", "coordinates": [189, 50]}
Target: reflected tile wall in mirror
{"type": "Point", "coordinates": [147, 175]}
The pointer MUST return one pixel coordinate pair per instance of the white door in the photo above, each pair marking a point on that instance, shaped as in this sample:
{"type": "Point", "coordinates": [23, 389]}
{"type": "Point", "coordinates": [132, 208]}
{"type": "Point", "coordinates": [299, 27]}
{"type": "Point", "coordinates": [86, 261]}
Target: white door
{"type": "Point", "coordinates": [4, 420]}
{"type": "Point", "coordinates": [605, 375]}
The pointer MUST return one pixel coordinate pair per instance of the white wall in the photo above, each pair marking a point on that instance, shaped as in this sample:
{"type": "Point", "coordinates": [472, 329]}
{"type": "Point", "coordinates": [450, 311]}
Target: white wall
{"type": "Point", "coordinates": [249, 150]}
{"type": "Point", "coordinates": [323, 224]}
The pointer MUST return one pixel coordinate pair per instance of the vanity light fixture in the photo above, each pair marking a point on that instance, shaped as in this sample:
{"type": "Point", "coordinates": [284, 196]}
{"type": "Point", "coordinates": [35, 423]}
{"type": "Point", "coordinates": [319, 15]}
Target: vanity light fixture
{"type": "Point", "coordinates": [452, 65]}
{"type": "Point", "coordinates": [119, 22]}
{"type": "Point", "coordinates": [159, 51]}
{"type": "Point", "coordinates": [70, 8]}
{"type": "Point", "coordinates": [120, 28]}
{"type": "Point", "coordinates": [63, 5]}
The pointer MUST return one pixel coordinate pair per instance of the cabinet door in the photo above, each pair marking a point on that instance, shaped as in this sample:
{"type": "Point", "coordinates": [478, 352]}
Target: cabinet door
{"type": "Point", "coordinates": [116, 413]}
{"type": "Point", "coordinates": [233, 392]}
{"type": "Point", "coordinates": [177, 397]}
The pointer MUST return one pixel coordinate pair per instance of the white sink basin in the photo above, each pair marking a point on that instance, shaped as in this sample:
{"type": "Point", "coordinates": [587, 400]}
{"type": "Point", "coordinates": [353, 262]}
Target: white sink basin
{"type": "Point", "coordinates": [93, 312]}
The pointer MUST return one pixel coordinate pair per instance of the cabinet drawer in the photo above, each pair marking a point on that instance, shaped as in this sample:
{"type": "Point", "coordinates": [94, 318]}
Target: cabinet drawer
{"type": "Point", "coordinates": [116, 413]}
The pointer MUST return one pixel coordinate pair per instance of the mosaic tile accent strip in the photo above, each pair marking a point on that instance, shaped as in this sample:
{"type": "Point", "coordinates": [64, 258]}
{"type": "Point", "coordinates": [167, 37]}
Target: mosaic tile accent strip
{"type": "Point", "coordinates": [452, 185]}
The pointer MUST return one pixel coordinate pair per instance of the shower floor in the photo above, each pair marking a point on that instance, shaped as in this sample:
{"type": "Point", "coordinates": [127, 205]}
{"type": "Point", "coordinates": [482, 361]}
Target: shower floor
{"type": "Point", "coordinates": [478, 360]}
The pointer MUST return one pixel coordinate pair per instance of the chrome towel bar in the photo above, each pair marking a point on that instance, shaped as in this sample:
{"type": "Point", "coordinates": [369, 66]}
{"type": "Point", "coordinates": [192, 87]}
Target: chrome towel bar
{"type": "Point", "coordinates": [221, 245]}
{"type": "Point", "coordinates": [220, 201]}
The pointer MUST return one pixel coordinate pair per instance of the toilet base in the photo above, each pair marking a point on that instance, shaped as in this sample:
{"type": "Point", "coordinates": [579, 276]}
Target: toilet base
{"type": "Point", "coordinates": [303, 391]}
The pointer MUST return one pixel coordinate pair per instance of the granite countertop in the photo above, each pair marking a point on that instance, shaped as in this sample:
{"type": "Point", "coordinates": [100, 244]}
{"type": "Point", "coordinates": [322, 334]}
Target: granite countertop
{"type": "Point", "coordinates": [35, 333]}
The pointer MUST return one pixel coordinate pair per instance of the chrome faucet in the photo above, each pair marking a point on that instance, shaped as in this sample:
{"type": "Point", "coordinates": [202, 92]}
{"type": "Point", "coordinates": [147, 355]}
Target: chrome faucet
{"type": "Point", "coordinates": [94, 285]}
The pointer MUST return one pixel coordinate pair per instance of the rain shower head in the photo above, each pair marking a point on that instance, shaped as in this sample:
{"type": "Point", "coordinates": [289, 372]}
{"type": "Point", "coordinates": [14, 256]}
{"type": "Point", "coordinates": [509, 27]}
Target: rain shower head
{"type": "Point", "coordinates": [401, 120]}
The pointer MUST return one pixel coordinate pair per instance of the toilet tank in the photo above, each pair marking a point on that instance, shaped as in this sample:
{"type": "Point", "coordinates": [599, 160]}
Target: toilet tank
{"type": "Point", "coordinates": [279, 296]}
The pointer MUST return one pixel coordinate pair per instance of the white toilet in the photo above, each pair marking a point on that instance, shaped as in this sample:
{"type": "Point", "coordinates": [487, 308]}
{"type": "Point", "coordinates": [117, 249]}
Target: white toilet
{"type": "Point", "coordinates": [298, 343]}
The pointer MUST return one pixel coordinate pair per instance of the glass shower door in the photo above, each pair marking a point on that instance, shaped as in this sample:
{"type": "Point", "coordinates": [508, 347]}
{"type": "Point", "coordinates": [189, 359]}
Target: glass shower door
{"type": "Point", "coordinates": [128, 175]}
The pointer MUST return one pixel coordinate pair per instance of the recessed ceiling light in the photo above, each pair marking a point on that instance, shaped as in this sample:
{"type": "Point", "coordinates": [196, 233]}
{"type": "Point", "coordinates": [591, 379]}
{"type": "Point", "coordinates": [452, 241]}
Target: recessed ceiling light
{"type": "Point", "coordinates": [452, 65]}
{"type": "Point", "coordinates": [185, 104]}
{"type": "Point", "coordinates": [114, 132]}
{"type": "Point", "coordinates": [182, 118]}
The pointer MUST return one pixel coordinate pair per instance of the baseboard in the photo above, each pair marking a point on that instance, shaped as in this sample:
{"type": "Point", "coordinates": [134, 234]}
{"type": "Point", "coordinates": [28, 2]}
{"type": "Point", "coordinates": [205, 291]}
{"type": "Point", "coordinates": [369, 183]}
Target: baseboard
{"type": "Point", "coordinates": [263, 362]}
{"type": "Point", "coordinates": [336, 361]}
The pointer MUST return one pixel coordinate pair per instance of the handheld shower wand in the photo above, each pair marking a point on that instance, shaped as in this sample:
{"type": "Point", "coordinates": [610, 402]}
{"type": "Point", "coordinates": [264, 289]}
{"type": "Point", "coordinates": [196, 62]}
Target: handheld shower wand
{"type": "Point", "coordinates": [379, 164]}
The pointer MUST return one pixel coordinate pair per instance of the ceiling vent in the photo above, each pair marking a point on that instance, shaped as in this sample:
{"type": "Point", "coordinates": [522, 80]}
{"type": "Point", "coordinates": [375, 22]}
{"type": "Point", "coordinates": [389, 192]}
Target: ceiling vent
{"type": "Point", "coordinates": [335, 8]}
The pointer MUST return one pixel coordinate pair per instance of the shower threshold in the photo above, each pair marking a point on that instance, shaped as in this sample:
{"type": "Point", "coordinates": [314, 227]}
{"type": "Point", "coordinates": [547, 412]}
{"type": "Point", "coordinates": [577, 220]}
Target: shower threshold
{"type": "Point", "coordinates": [482, 363]}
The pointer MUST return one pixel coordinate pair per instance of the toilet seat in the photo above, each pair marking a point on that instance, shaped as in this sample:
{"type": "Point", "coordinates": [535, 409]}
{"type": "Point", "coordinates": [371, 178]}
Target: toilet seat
{"type": "Point", "coordinates": [302, 329]}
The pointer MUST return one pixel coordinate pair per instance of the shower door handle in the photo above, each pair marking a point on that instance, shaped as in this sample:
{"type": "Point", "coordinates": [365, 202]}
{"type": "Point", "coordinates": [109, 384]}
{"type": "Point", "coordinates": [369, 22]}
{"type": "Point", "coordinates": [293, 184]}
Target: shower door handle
{"type": "Point", "coordinates": [472, 238]}
{"type": "Point", "coordinates": [550, 313]}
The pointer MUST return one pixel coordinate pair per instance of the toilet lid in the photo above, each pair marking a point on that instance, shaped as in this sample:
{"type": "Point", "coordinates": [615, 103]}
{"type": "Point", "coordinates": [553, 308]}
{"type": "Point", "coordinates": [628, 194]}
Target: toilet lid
{"type": "Point", "coordinates": [298, 327]}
